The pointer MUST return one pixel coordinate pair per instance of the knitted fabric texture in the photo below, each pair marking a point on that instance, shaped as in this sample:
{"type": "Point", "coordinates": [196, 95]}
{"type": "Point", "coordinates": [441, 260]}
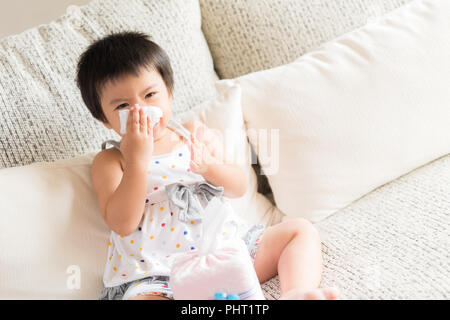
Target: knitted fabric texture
{"type": "Point", "coordinates": [43, 116]}
{"type": "Point", "coordinates": [253, 35]}
{"type": "Point", "coordinates": [392, 243]}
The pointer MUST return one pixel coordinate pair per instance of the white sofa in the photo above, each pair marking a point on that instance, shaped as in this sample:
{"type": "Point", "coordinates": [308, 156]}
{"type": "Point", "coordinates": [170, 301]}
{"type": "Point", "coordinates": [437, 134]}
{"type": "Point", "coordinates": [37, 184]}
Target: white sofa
{"type": "Point", "coordinates": [392, 243]}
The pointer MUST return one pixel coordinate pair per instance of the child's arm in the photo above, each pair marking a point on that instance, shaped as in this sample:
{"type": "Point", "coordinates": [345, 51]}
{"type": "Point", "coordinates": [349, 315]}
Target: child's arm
{"type": "Point", "coordinates": [231, 176]}
{"type": "Point", "coordinates": [207, 159]}
{"type": "Point", "coordinates": [120, 194]}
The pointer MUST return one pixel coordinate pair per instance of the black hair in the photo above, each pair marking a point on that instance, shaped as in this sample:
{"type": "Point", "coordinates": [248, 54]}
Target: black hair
{"type": "Point", "coordinates": [114, 56]}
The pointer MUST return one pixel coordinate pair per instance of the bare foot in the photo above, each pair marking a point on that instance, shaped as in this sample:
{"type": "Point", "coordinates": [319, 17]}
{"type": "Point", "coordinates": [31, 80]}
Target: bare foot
{"type": "Point", "coordinates": [316, 294]}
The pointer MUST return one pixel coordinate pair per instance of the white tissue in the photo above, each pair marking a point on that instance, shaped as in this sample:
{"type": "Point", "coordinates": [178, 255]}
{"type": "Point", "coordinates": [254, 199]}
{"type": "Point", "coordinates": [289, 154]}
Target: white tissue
{"type": "Point", "coordinates": [155, 114]}
{"type": "Point", "coordinates": [214, 218]}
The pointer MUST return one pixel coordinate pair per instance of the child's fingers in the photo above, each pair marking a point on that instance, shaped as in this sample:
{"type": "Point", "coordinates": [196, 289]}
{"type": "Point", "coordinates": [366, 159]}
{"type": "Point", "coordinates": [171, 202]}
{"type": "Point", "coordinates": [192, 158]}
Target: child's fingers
{"type": "Point", "coordinates": [149, 127]}
{"type": "Point", "coordinates": [194, 166]}
{"type": "Point", "coordinates": [209, 135]}
{"type": "Point", "coordinates": [198, 150]}
{"type": "Point", "coordinates": [204, 134]}
{"type": "Point", "coordinates": [133, 119]}
{"type": "Point", "coordinates": [195, 153]}
{"type": "Point", "coordinates": [142, 121]}
{"type": "Point", "coordinates": [191, 148]}
{"type": "Point", "coordinates": [200, 133]}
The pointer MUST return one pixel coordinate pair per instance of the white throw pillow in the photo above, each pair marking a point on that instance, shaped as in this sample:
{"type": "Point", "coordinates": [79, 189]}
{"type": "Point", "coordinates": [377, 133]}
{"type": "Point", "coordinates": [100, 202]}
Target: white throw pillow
{"type": "Point", "coordinates": [52, 237]}
{"type": "Point", "coordinates": [355, 114]}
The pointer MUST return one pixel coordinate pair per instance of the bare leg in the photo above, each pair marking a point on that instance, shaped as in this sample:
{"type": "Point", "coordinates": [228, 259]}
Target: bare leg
{"type": "Point", "coordinates": [293, 250]}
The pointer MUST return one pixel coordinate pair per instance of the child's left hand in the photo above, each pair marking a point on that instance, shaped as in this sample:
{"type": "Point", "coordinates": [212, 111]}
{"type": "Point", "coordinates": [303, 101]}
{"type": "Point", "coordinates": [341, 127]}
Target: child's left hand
{"type": "Point", "coordinates": [202, 150]}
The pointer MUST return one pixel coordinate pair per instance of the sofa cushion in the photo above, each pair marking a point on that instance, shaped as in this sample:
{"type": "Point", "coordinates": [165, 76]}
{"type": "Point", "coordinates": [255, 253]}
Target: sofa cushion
{"type": "Point", "coordinates": [52, 234]}
{"type": "Point", "coordinates": [392, 243]}
{"type": "Point", "coordinates": [249, 36]}
{"type": "Point", "coordinates": [354, 114]}
{"type": "Point", "coordinates": [43, 117]}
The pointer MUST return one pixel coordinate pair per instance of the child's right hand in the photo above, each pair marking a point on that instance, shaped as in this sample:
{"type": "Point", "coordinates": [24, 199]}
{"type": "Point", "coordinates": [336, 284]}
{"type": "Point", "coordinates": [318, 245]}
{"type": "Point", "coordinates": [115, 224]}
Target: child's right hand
{"type": "Point", "coordinates": [137, 143]}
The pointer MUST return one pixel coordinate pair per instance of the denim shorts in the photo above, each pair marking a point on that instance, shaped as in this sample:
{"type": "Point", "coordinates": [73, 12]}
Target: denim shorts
{"type": "Point", "coordinates": [159, 285]}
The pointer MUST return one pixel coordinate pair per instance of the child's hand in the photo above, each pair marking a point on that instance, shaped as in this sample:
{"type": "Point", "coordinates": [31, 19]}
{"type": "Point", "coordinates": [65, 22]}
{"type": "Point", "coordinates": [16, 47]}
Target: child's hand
{"type": "Point", "coordinates": [137, 142]}
{"type": "Point", "coordinates": [202, 153]}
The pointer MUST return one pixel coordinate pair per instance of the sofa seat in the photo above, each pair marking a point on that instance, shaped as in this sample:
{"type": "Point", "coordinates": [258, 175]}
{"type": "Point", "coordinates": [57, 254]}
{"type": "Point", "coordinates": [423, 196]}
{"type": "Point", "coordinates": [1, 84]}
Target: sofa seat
{"type": "Point", "coordinates": [392, 243]}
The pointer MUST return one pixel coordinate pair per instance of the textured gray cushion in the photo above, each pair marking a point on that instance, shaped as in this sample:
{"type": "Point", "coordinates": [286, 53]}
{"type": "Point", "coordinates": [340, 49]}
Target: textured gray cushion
{"type": "Point", "coordinates": [253, 35]}
{"type": "Point", "coordinates": [43, 117]}
{"type": "Point", "coordinates": [392, 243]}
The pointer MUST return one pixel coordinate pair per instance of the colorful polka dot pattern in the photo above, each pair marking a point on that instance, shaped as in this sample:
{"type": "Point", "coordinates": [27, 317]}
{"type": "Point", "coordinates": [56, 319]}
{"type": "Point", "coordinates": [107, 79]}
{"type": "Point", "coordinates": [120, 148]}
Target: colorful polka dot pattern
{"type": "Point", "coordinates": [160, 229]}
{"type": "Point", "coordinates": [171, 168]}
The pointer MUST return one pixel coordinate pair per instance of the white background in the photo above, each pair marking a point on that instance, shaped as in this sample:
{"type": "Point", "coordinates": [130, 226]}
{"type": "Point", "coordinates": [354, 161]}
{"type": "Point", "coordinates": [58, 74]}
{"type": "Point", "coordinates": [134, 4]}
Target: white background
{"type": "Point", "coordinates": [18, 15]}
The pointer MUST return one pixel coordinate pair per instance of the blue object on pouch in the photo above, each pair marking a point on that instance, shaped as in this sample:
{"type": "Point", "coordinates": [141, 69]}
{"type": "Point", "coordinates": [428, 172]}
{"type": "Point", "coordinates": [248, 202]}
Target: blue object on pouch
{"type": "Point", "coordinates": [220, 296]}
{"type": "Point", "coordinates": [223, 296]}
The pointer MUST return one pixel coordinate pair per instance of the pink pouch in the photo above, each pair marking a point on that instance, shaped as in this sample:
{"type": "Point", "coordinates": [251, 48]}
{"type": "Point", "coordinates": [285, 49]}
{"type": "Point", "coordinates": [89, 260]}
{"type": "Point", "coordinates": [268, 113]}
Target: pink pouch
{"type": "Point", "coordinates": [218, 269]}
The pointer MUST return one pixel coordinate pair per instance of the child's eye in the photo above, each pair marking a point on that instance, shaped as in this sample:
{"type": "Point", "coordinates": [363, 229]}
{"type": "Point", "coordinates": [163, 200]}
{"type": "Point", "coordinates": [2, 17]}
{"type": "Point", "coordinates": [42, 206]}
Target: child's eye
{"type": "Point", "coordinates": [122, 105]}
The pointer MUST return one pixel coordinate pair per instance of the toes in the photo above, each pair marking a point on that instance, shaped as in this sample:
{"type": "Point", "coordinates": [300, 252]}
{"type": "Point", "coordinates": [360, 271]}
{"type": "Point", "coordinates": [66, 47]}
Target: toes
{"type": "Point", "coordinates": [322, 294]}
{"type": "Point", "coordinates": [314, 295]}
{"type": "Point", "coordinates": [330, 293]}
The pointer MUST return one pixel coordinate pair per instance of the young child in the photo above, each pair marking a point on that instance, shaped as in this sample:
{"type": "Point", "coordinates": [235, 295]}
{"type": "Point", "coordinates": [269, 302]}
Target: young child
{"type": "Point", "coordinates": [126, 71]}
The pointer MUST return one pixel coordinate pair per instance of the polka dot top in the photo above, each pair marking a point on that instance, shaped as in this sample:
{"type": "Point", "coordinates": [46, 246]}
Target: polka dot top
{"type": "Point", "coordinates": [149, 250]}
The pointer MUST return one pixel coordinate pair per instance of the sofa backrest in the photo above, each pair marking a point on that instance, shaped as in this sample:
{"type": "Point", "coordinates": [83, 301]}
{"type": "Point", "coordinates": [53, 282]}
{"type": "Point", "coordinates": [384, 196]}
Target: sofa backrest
{"type": "Point", "coordinates": [254, 35]}
{"type": "Point", "coordinates": [43, 117]}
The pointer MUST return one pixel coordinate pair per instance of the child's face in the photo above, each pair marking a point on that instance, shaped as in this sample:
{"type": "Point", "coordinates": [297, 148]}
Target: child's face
{"type": "Point", "coordinates": [130, 90]}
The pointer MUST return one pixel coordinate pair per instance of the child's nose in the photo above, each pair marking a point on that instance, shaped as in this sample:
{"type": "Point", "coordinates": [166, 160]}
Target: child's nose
{"type": "Point", "coordinates": [138, 102]}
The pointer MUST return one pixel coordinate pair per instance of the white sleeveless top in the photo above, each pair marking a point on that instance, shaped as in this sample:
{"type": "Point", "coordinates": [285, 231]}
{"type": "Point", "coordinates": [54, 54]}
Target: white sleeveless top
{"type": "Point", "coordinates": [160, 236]}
